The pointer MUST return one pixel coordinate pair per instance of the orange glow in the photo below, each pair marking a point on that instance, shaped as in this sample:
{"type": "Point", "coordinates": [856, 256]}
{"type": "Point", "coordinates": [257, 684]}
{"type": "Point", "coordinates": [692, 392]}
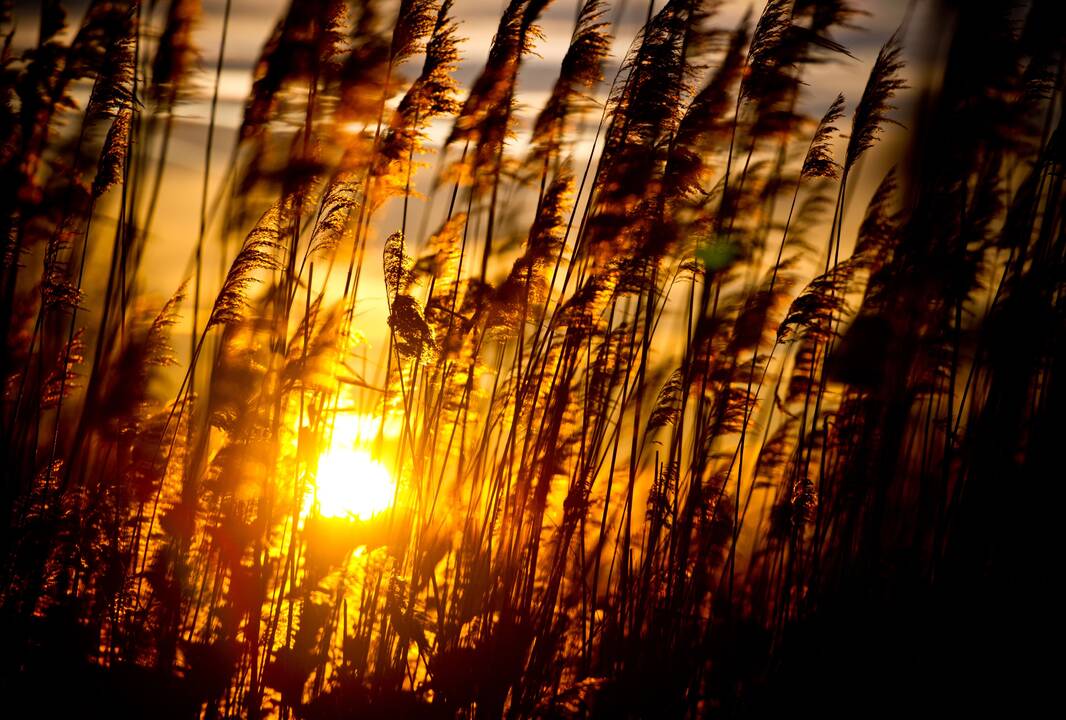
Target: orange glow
{"type": "Point", "coordinates": [350, 483]}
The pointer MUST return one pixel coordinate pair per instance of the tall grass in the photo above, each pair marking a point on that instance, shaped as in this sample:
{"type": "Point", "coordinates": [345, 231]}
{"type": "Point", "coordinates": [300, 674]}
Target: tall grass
{"type": "Point", "coordinates": [697, 419]}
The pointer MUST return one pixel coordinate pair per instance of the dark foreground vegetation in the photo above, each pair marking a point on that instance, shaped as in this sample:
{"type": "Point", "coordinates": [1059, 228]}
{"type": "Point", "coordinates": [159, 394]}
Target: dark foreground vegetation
{"type": "Point", "coordinates": [704, 421]}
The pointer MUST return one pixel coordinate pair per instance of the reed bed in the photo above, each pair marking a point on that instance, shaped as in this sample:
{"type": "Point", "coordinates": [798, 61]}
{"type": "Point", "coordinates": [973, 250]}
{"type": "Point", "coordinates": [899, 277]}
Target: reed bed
{"type": "Point", "coordinates": [651, 401]}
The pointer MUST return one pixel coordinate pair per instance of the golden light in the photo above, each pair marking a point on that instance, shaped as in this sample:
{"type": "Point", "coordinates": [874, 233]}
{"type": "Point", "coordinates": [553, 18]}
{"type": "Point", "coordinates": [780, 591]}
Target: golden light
{"type": "Point", "coordinates": [350, 483]}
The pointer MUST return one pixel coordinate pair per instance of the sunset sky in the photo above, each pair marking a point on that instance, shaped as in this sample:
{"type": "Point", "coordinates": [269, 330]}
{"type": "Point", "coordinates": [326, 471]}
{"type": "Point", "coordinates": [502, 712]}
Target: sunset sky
{"type": "Point", "coordinates": [167, 262]}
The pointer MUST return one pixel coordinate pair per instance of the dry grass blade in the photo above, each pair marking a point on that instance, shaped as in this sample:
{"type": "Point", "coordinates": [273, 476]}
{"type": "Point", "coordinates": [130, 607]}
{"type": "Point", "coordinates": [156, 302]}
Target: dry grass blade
{"type": "Point", "coordinates": [872, 111]}
{"type": "Point", "coordinates": [819, 161]}
{"type": "Point", "coordinates": [258, 253]}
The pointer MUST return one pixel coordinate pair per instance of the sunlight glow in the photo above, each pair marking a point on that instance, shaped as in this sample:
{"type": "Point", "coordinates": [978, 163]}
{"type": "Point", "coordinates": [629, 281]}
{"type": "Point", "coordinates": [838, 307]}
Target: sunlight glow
{"type": "Point", "coordinates": [350, 483]}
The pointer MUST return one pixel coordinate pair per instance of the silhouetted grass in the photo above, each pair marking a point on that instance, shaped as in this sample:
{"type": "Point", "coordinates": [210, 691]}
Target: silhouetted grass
{"type": "Point", "coordinates": [701, 421]}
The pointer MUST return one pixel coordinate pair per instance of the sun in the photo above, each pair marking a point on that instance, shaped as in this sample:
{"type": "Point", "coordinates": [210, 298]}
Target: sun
{"type": "Point", "coordinates": [350, 483]}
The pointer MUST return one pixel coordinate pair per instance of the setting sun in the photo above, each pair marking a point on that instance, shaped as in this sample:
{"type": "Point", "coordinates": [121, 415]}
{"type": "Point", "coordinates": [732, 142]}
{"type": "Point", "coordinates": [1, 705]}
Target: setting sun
{"type": "Point", "coordinates": [350, 483]}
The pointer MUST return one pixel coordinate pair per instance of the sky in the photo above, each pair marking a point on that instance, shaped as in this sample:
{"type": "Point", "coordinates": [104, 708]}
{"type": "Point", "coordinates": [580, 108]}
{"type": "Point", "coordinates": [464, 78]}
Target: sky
{"type": "Point", "coordinates": [169, 253]}
{"type": "Point", "coordinates": [252, 20]}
